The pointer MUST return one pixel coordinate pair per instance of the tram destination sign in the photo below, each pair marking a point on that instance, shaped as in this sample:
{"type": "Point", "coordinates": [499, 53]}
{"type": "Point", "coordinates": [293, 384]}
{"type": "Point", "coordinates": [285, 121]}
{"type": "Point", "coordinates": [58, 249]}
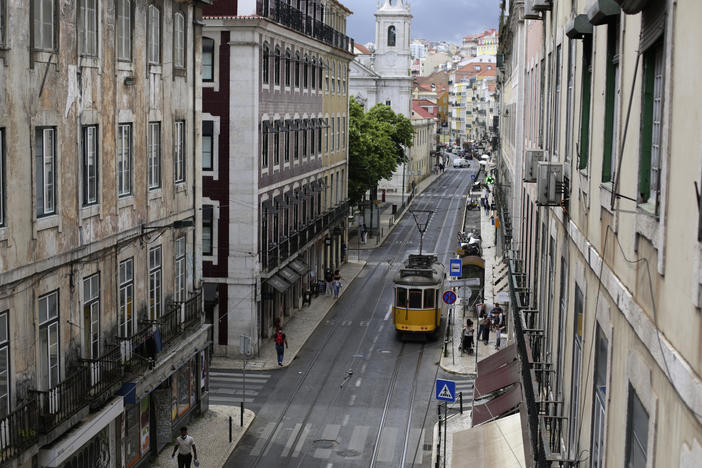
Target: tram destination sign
{"type": "Point", "coordinates": [460, 283]}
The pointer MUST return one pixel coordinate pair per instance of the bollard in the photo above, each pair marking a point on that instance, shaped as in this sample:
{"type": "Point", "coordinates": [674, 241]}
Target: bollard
{"type": "Point", "coordinates": [460, 400]}
{"type": "Point", "coordinates": [241, 422]}
{"type": "Point", "coordinates": [230, 429]}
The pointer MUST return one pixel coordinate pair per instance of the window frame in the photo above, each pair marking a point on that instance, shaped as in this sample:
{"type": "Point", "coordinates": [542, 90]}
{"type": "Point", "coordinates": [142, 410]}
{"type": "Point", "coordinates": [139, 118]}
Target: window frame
{"type": "Point", "coordinates": [153, 28]}
{"type": "Point", "coordinates": [153, 156]}
{"type": "Point", "coordinates": [391, 36]}
{"type": "Point", "coordinates": [87, 47]}
{"type": "Point", "coordinates": [296, 148]}
{"type": "Point", "coordinates": [298, 70]}
{"type": "Point", "coordinates": [276, 66]}
{"type": "Point", "coordinates": [276, 143]}
{"type": "Point", "coordinates": [288, 71]}
{"type": "Point", "coordinates": [5, 354]}
{"type": "Point", "coordinates": [179, 150]}
{"type": "Point", "coordinates": [265, 146]}
{"type": "Point", "coordinates": [91, 315]}
{"type": "Point", "coordinates": [52, 326]}
{"type": "Point", "coordinates": [211, 53]}
{"type": "Point", "coordinates": [44, 46]}
{"type": "Point", "coordinates": [126, 298]}
{"type": "Point", "coordinates": [155, 259]}
{"type": "Point", "coordinates": [207, 226]}
{"type": "Point", "coordinates": [265, 65]}
{"type": "Point", "coordinates": [124, 176]}
{"type": "Point", "coordinates": [86, 131]}
{"type": "Point", "coordinates": [611, 86]}
{"type": "Point", "coordinates": [208, 126]}
{"type": "Point", "coordinates": [631, 436]}
{"type": "Point", "coordinates": [586, 96]}
{"type": "Point", "coordinates": [181, 273]}
{"type": "Point", "coordinates": [179, 46]}
{"type": "Point", "coordinates": [286, 142]}
{"type": "Point", "coordinates": [3, 186]}
{"type": "Point", "coordinates": [45, 209]}
{"type": "Point", "coordinates": [124, 48]}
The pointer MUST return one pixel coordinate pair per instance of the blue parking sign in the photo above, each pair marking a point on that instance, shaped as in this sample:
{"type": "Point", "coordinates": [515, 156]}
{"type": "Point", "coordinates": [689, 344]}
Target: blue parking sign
{"type": "Point", "coordinates": [455, 267]}
{"type": "Point", "coordinates": [445, 390]}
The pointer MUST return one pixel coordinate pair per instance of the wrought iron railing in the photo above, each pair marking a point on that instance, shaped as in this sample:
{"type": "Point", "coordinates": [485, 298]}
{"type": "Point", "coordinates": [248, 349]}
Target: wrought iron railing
{"type": "Point", "coordinates": [18, 430]}
{"type": "Point", "coordinates": [58, 404]}
{"type": "Point", "coordinates": [135, 351]}
{"type": "Point", "coordinates": [180, 316]}
{"type": "Point", "coordinates": [105, 373]}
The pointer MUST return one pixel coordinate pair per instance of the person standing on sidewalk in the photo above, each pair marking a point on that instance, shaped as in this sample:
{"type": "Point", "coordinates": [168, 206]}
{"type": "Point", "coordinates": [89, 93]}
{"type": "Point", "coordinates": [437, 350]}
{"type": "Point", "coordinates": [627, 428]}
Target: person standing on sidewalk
{"type": "Point", "coordinates": [281, 342]}
{"type": "Point", "coordinates": [185, 446]}
{"type": "Point", "coordinates": [498, 320]}
{"type": "Point", "coordinates": [336, 284]}
{"type": "Point", "coordinates": [328, 280]}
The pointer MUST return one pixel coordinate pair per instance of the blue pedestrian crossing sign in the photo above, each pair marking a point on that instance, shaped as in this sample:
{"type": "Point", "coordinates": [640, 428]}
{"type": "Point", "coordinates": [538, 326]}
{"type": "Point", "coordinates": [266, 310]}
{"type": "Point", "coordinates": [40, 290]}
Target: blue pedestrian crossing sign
{"type": "Point", "coordinates": [445, 390]}
{"type": "Point", "coordinates": [455, 267]}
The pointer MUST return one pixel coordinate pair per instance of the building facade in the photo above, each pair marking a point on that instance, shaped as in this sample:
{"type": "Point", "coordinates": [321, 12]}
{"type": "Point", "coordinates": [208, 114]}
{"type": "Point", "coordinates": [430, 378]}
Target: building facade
{"type": "Point", "coordinates": [275, 160]}
{"type": "Point", "coordinates": [102, 343]}
{"type": "Point", "coordinates": [600, 136]}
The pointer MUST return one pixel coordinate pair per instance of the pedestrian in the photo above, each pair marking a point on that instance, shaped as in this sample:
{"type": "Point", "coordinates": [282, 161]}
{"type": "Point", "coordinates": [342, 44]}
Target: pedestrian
{"type": "Point", "coordinates": [467, 338]}
{"type": "Point", "coordinates": [364, 233]}
{"type": "Point", "coordinates": [336, 283]}
{"type": "Point", "coordinates": [498, 323]}
{"type": "Point", "coordinates": [281, 342]}
{"type": "Point", "coordinates": [328, 278]}
{"type": "Point", "coordinates": [185, 446]}
{"type": "Point", "coordinates": [485, 326]}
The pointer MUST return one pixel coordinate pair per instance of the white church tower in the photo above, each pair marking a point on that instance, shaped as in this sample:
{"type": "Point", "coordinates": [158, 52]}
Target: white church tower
{"type": "Point", "coordinates": [392, 38]}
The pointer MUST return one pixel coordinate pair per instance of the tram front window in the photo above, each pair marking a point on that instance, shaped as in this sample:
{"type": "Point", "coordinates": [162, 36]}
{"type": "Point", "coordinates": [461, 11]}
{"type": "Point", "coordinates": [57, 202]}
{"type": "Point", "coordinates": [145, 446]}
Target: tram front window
{"type": "Point", "coordinates": [415, 298]}
{"type": "Point", "coordinates": [428, 299]}
{"type": "Point", "coordinates": [401, 297]}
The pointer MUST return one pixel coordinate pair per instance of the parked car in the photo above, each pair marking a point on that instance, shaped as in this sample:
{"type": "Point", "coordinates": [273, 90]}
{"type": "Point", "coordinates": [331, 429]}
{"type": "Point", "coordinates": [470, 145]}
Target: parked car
{"type": "Point", "coordinates": [460, 162]}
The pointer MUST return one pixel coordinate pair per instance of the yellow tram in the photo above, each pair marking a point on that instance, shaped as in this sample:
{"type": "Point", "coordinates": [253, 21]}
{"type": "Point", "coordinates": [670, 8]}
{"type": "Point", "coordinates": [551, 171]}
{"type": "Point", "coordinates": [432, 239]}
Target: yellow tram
{"type": "Point", "coordinates": [418, 288]}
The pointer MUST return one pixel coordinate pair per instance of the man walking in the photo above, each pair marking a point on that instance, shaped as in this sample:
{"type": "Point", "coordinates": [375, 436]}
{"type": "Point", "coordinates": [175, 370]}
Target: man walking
{"type": "Point", "coordinates": [281, 342]}
{"type": "Point", "coordinates": [185, 446]}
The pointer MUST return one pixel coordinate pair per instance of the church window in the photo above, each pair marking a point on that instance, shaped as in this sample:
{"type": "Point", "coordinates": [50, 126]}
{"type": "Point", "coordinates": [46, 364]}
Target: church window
{"type": "Point", "coordinates": [391, 36]}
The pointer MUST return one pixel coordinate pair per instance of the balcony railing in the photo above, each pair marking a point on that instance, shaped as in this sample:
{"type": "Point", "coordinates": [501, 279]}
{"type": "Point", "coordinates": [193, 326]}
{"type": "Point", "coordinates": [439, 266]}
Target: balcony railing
{"type": "Point", "coordinates": [136, 351]}
{"type": "Point", "coordinates": [18, 430]}
{"type": "Point", "coordinates": [180, 317]}
{"type": "Point", "coordinates": [105, 373]}
{"type": "Point", "coordinates": [58, 404]}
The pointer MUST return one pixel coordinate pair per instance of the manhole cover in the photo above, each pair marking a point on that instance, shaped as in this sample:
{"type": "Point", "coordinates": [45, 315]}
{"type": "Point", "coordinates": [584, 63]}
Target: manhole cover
{"type": "Point", "coordinates": [324, 444]}
{"type": "Point", "coordinates": [348, 453]}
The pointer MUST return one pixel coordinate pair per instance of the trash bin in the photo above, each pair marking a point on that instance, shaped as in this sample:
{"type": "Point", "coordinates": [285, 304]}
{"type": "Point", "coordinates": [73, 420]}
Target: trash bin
{"type": "Point", "coordinates": [394, 209]}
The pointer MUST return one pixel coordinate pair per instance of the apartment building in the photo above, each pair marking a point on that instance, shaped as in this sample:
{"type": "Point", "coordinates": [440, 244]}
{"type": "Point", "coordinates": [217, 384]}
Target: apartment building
{"type": "Point", "coordinates": [102, 345]}
{"type": "Point", "coordinates": [275, 160]}
{"type": "Point", "coordinates": [598, 189]}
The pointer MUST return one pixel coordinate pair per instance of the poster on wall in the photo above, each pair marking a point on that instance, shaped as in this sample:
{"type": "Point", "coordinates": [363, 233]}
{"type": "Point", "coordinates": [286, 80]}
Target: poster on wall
{"type": "Point", "coordinates": [144, 423]}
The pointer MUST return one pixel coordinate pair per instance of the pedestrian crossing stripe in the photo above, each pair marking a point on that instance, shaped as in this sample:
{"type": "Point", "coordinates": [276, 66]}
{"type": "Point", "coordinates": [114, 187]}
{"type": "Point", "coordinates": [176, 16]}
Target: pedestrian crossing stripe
{"type": "Point", "coordinates": [445, 393]}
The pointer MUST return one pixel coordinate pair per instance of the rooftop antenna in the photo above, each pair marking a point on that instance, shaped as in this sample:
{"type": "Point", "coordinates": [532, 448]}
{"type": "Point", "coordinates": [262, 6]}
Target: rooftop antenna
{"type": "Point", "coordinates": [421, 226]}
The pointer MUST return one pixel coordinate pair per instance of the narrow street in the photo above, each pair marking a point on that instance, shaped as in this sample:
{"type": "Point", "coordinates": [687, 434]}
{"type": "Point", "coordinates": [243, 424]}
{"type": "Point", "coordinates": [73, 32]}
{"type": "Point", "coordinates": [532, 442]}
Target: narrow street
{"type": "Point", "coordinates": [355, 396]}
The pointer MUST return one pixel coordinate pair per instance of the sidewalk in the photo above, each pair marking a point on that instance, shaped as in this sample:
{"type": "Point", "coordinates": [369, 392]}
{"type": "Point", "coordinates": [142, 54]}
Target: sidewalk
{"type": "Point", "coordinates": [297, 329]}
{"type": "Point", "coordinates": [388, 221]}
{"type": "Point", "coordinates": [211, 434]}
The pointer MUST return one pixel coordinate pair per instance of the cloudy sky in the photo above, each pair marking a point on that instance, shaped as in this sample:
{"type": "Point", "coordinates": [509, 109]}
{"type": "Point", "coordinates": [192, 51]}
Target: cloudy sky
{"type": "Point", "coordinates": [435, 20]}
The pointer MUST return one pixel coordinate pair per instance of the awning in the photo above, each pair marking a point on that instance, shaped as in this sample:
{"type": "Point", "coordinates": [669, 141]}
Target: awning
{"type": "Point", "coordinates": [497, 443]}
{"type": "Point", "coordinates": [299, 266]}
{"type": "Point", "coordinates": [579, 27]}
{"type": "Point", "coordinates": [289, 275]}
{"type": "Point", "coordinates": [278, 283]}
{"type": "Point", "coordinates": [497, 360]}
{"type": "Point", "coordinates": [493, 409]}
{"type": "Point", "coordinates": [498, 379]}
{"type": "Point", "coordinates": [603, 12]}
{"type": "Point", "coordinates": [633, 7]}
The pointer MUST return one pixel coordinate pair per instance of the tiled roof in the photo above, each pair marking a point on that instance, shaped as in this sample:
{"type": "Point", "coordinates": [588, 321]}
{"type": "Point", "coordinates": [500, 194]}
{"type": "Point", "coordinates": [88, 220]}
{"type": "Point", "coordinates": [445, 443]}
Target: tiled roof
{"type": "Point", "coordinates": [362, 49]}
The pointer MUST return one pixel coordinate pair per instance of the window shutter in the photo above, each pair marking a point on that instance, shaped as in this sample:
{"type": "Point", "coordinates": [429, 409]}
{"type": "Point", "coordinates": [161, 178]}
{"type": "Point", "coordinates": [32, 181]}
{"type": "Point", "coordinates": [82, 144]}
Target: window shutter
{"type": "Point", "coordinates": [652, 24]}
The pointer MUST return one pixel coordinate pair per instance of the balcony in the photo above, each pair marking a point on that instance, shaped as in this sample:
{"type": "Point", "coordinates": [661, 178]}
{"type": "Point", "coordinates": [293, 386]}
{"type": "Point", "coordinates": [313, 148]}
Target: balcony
{"type": "Point", "coordinates": [63, 401]}
{"type": "Point", "coordinates": [180, 317]}
{"type": "Point", "coordinates": [18, 430]}
{"type": "Point", "coordinates": [105, 376]}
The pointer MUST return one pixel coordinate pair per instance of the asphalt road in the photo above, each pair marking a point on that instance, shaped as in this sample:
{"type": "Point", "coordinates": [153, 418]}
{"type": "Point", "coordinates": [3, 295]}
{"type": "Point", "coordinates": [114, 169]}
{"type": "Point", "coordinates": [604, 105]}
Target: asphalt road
{"type": "Point", "coordinates": [356, 396]}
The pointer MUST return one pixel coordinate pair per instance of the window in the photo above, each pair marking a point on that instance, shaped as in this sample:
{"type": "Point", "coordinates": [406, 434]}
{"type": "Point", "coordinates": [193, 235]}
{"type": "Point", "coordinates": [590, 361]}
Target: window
{"type": "Point", "coordinates": [428, 299]}
{"type": "Point", "coordinates": [569, 100]}
{"type": "Point", "coordinates": [124, 30]}
{"type": "Point", "coordinates": [4, 363]}
{"type": "Point", "coordinates": [304, 138]}
{"type": "Point", "coordinates": [207, 229]}
{"type": "Point", "coordinates": [2, 176]}
{"type": "Point", "coordinates": [305, 73]}
{"type": "Point", "coordinates": [87, 27]}
{"type": "Point", "coordinates": [276, 67]}
{"type": "Point", "coordinates": [90, 165]}
{"type": "Point", "coordinates": [154, 38]}
{"type": "Point", "coordinates": [180, 272]}
{"type": "Point", "coordinates": [651, 126]}
{"type": "Point", "coordinates": [179, 150]}
{"type": "Point", "coordinates": [297, 70]}
{"type": "Point", "coordinates": [155, 282]}
{"type": "Point", "coordinates": [557, 103]}
{"type": "Point", "coordinates": [265, 66]}
{"type": "Point", "coordinates": [179, 40]}
{"type": "Point", "coordinates": [288, 66]}
{"type": "Point", "coordinates": [44, 24]}
{"type": "Point", "coordinates": [287, 141]}
{"type": "Point", "coordinates": [49, 340]}
{"type": "Point", "coordinates": [3, 34]}
{"type": "Point", "coordinates": [338, 78]}
{"type": "Point", "coordinates": [296, 153]}
{"type": "Point", "coordinates": [343, 132]}
{"type": "Point", "coordinates": [154, 148]}
{"type": "Point", "coordinates": [127, 322]}
{"type": "Point", "coordinates": [326, 74]}
{"type": "Point", "coordinates": [388, 103]}
{"type": "Point", "coordinates": [392, 36]}
{"type": "Point", "coordinates": [276, 143]}
{"type": "Point", "coordinates": [313, 76]}
{"type": "Point", "coordinates": [207, 144]}
{"type": "Point", "coordinates": [312, 139]}
{"type": "Point", "coordinates": [338, 133]}
{"type": "Point", "coordinates": [319, 135]}
{"type": "Point", "coordinates": [577, 364]}
{"type": "Point", "coordinates": [332, 134]}
{"type": "Point", "coordinates": [401, 300]}
{"type": "Point", "coordinates": [415, 298]}
{"type": "Point", "coordinates": [320, 74]}
{"type": "Point", "coordinates": [207, 59]}
{"type": "Point", "coordinates": [599, 401]}
{"type": "Point", "coordinates": [124, 160]}
{"type": "Point", "coordinates": [264, 144]}
{"type": "Point", "coordinates": [611, 116]}
{"type": "Point", "coordinates": [45, 171]}
{"type": "Point", "coordinates": [583, 151]}
{"type": "Point", "coordinates": [91, 315]}
{"type": "Point", "coordinates": [326, 136]}
{"type": "Point", "coordinates": [636, 432]}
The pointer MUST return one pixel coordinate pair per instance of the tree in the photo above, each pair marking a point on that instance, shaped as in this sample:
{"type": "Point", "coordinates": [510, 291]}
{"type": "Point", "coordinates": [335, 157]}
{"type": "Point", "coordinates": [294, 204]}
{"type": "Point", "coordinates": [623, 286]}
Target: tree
{"type": "Point", "coordinates": [377, 142]}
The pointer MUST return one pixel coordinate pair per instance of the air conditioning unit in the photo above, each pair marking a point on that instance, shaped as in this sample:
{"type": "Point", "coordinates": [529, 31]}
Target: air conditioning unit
{"type": "Point", "coordinates": [542, 5]}
{"type": "Point", "coordinates": [531, 160]}
{"type": "Point", "coordinates": [549, 183]}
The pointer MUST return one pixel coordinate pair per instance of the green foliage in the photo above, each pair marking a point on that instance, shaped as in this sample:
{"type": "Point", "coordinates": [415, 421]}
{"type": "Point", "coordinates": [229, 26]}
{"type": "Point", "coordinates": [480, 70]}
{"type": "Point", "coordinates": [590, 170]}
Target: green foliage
{"type": "Point", "coordinates": [377, 139]}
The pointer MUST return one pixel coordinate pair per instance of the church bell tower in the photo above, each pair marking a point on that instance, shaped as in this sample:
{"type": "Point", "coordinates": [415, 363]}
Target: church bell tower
{"type": "Point", "coordinates": [392, 38]}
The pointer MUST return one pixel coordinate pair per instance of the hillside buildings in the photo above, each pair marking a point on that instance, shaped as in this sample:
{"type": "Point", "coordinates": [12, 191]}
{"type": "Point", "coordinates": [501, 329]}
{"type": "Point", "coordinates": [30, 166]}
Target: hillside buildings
{"type": "Point", "coordinates": [275, 147]}
{"type": "Point", "coordinates": [103, 350]}
{"type": "Point", "coordinates": [598, 194]}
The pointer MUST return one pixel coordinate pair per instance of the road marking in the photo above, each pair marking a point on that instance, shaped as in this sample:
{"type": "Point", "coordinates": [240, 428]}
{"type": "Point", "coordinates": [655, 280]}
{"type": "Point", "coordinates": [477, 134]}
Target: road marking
{"type": "Point", "coordinates": [381, 328]}
{"type": "Point", "coordinates": [387, 444]}
{"type": "Point", "coordinates": [331, 431]}
{"type": "Point", "coordinates": [291, 439]}
{"type": "Point", "coordinates": [256, 450]}
{"type": "Point", "coordinates": [363, 367]}
{"type": "Point", "coordinates": [300, 442]}
{"type": "Point", "coordinates": [352, 400]}
{"type": "Point", "coordinates": [273, 438]}
{"type": "Point", "coordinates": [387, 316]}
{"type": "Point", "coordinates": [346, 419]}
{"type": "Point", "coordinates": [358, 439]}
{"type": "Point", "coordinates": [358, 382]}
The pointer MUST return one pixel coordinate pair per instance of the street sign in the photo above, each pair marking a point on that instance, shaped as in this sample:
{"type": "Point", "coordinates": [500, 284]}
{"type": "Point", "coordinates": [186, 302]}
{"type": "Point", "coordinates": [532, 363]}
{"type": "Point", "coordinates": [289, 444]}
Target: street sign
{"type": "Point", "coordinates": [472, 177]}
{"type": "Point", "coordinates": [459, 283]}
{"type": "Point", "coordinates": [245, 345]}
{"type": "Point", "coordinates": [455, 267]}
{"type": "Point", "coordinates": [445, 390]}
{"type": "Point", "coordinates": [449, 297]}
{"type": "Point", "coordinates": [489, 180]}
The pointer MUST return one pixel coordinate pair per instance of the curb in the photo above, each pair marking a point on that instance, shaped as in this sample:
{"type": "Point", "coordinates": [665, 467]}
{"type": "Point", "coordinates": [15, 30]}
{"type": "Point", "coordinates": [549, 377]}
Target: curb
{"type": "Point", "coordinates": [247, 423]}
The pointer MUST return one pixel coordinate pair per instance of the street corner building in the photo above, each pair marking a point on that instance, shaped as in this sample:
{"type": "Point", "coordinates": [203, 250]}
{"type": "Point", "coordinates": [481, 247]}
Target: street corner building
{"type": "Point", "coordinates": [275, 160]}
{"type": "Point", "coordinates": [597, 186]}
{"type": "Point", "coordinates": [102, 334]}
